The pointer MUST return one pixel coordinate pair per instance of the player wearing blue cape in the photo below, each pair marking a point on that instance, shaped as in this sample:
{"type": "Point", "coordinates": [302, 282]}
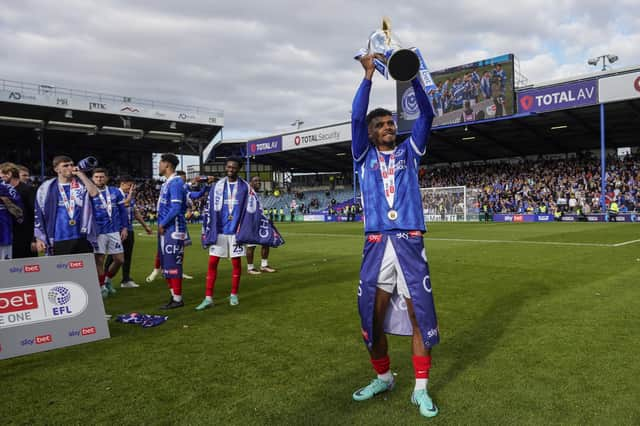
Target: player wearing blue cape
{"type": "Point", "coordinates": [394, 295]}
{"type": "Point", "coordinates": [231, 219]}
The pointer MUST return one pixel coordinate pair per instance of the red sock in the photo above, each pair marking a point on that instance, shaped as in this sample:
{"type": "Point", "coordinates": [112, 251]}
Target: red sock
{"type": "Point", "coordinates": [381, 365]}
{"type": "Point", "coordinates": [110, 274]}
{"type": "Point", "coordinates": [421, 366]}
{"type": "Point", "coordinates": [236, 262]}
{"type": "Point", "coordinates": [212, 273]}
{"type": "Point", "coordinates": [101, 279]}
{"type": "Point", "coordinates": [176, 285]}
{"type": "Point", "coordinates": [157, 261]}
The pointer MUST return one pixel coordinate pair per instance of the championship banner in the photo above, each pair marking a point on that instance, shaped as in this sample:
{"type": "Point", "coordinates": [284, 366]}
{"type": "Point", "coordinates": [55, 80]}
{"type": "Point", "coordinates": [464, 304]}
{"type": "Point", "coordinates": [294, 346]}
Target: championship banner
{"type": "Point", "coordinates": [49, 302]}
{"type": "Point", "coordinates": [563, 96]}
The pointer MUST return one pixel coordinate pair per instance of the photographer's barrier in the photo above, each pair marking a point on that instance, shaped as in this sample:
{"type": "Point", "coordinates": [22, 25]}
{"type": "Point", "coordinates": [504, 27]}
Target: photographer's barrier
{"type": "Point", "coordinates": [48, 303]}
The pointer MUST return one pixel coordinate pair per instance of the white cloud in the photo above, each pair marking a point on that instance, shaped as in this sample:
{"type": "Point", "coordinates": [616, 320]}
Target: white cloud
{"type": "Point", "coordinates": [268, 63]}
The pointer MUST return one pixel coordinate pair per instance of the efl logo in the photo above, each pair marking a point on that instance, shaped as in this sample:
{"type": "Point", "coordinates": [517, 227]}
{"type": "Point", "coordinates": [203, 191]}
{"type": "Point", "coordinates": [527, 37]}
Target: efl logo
{"type": "Point", "coordinates": [86, 331]}
{"type": "Point", "coordinates": [16, 301]}
{"type": "Point", "coordinates": [76, 264]}
{"type": "Point", "coordinates": [41, 340]}
{"type": "Point", "coordinates": [31, 268]}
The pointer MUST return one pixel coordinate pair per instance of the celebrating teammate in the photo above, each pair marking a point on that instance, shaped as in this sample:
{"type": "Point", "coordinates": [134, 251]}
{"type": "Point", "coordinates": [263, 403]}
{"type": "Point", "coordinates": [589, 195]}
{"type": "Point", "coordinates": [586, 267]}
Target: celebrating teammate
{"type": "Point", "coordinates": [227, 199]}
{"type": "Point", "coordinates": [172, 229]}
{"type": "Point", "coordinates": [113, 228]}
{"type": "Point", "coordinates": [394, 264]}
{"type": "Point", "coordinates": [64, 222]}
{"type": "Point", "coordinates": [11, 210]}
{"type": "Point", "coordinates": [251, 248]}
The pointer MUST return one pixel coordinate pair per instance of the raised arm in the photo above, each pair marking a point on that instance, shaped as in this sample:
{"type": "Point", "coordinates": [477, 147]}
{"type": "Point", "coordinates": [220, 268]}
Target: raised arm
{"type": "Point", "coordinates": [359, 132]}
{"type": "Point", "coordinates": [422, 127]}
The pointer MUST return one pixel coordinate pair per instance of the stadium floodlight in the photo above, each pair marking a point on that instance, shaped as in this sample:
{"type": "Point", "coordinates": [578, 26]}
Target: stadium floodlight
{"type": "Point", "coordinates": [564, 126]}
{"type": "Point", "coordinates": [606, 57]}
{"type": "Point", "coordinates": [21, 122]}
{"type": "Point", "coordinates": [469, 138]}
{"type": "Point", "coordinates": [170, 136]}
{"type": "Point", "coordinates": [120, 131]}
{"type": "Point", "coordinates": [72, 127]}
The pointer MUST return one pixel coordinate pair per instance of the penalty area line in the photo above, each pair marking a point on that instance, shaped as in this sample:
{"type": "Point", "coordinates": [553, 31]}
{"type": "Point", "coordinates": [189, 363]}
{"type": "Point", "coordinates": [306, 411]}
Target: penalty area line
{"type": "Point", "coordinates": [624, 243]}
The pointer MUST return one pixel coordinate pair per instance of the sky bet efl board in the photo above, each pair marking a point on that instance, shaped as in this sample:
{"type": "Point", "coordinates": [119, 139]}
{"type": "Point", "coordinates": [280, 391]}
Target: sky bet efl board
{"type": "Point", "coordinates": [48, 303]}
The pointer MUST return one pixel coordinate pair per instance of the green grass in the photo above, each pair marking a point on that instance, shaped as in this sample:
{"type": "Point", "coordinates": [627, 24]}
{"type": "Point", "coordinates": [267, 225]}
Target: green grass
{"type": "Point", "coordinates": [531, 334]}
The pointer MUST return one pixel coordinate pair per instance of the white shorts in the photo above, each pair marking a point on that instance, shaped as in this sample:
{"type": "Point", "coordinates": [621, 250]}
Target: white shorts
{"type": "Point", "coordinates": [6, 252]}
{"type": "Point", "coordinates": [226, 246]}
{"type": "Point", "coordinates": [109, 244]}
{"type": "Point", "coordinates": [391, 277]}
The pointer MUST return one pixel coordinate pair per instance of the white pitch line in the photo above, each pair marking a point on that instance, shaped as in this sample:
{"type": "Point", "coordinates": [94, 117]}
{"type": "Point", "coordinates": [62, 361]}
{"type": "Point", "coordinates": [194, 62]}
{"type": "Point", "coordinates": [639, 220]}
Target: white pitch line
{"type": "Point", "coordinates": [547, 243]}
{"type": "Point", "coordinates": [464, 240]}
{"type": "Point", "coordinates": [626, 243]}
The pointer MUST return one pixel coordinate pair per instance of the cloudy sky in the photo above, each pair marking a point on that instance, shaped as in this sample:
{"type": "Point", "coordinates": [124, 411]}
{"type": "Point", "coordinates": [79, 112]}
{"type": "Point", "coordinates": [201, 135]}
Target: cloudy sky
{"type": "Point", "coordinates": [267, 63]}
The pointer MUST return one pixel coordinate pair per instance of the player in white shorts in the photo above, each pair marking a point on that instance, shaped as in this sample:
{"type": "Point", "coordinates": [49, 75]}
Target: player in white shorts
{"type": "Point", "coordinates": [112, 221]}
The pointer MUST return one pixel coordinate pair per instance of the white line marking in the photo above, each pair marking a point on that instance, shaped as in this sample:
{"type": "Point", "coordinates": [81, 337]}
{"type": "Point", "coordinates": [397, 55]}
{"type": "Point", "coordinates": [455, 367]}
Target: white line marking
{"type": "Point", "coordinates": [626, 243]}
{"type": "Point", "coordinates": [464, 240]}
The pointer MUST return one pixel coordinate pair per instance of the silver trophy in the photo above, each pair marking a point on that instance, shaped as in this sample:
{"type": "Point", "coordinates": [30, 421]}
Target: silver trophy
{"type": "Point", "coordinates": [391, 59]}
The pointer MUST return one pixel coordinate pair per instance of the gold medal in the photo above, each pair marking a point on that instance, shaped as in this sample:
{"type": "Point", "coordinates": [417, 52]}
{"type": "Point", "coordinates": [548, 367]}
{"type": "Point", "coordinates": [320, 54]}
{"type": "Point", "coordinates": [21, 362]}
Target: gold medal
{"type": "Point", "coordinates": [230, 217]}
{"type": "Point", "coordinates": [72, 222]}
{"type": "Point", "coordinates": [392, 214]}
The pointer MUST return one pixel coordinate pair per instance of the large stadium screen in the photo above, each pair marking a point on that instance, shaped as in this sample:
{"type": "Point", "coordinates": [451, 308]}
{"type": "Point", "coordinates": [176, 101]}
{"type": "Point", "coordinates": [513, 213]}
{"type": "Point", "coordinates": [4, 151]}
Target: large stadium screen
{"type": "Point", "coordinates": [466, 93]}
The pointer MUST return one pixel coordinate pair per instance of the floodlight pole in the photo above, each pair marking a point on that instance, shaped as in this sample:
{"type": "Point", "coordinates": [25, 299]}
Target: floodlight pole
{"type": "Point", "coordinates": [603, 163]}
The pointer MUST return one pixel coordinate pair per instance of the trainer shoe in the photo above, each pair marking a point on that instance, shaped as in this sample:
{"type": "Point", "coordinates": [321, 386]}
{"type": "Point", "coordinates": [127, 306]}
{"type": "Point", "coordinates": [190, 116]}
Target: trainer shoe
{"type": "Point", "coordinates": [233, 300]}
{"type": "Point", "coordinates": [129, 284]}
{"type": "Point", "coordinates": [267, 269]}
{"type": "Point", "coordinates": [375, 387]}
{"type": "Point", "coordinates": [422, 399]}
{"type": "Point", "coordinates": [204, 305]}
{"type": "Point", "coordinates": [104, 292]}
{"type": "Point", "coordinates": [109, 286]}
{"type": "Point", "coordinates": [153, 275]}
{"type": "Point", "coordinates": [172, 304]}
{"type": "Point", "coordinates": [253, 272]}
{"type": "Point", "coordinates": [186, 277]}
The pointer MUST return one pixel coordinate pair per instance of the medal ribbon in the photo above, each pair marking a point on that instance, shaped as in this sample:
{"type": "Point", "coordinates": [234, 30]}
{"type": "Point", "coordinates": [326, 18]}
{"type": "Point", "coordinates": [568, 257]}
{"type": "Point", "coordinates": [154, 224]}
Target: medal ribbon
{"type": "Point", "coordinates": [231, 197]}
{"type": "Point", "coordinates": [69, 203]}
{"type": "Point", "coordinates": [106, 202]}
{"type": "Point", "coordinates": [388, 177]}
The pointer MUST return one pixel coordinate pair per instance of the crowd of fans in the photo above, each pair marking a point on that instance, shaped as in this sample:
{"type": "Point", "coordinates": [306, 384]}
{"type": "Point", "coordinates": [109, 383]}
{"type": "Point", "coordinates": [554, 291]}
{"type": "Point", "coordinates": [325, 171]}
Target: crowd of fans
{"type": "Point", "coordinates": [568, 185]}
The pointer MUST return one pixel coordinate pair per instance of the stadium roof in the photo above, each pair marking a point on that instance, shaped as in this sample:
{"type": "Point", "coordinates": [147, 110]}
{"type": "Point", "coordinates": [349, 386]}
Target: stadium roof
{"type": "Point", "coordinates": [102, 122]}
{"type": "Point", "coordinates": [564, 130]}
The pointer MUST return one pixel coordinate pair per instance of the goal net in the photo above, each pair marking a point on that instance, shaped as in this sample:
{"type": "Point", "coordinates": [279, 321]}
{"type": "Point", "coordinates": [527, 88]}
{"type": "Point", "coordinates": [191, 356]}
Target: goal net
{"type": "Point", "coordinates": [450, 204]}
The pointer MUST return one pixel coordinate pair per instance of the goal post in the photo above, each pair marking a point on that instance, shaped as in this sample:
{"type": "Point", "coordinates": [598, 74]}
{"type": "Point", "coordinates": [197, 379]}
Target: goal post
{"type": "Point", "coordinates": [450, 204]}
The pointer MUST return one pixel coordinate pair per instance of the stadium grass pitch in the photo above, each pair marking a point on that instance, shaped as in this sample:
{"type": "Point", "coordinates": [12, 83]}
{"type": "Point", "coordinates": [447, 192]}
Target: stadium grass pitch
{"type": "Point", "coordinates": [540, 325]}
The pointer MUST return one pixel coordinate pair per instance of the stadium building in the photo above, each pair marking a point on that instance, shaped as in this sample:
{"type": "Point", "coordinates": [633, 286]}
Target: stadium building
{"type": "Point", "coordinates": [597, 114]}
